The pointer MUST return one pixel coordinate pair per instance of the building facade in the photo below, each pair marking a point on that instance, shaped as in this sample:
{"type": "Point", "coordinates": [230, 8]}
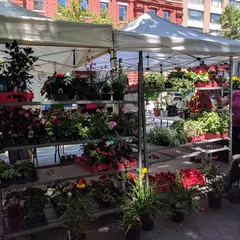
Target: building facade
{"type": "Point", "coordinates": [201, 15]}
{"type": "Point", "coordinates": [119, 10]}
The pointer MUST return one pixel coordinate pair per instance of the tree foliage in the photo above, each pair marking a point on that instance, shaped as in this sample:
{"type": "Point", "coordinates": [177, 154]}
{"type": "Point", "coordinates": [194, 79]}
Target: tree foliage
{"type": "Point", "coordinates": [75, 12]}
{"type": "Point", "coordinates": [230, 23]}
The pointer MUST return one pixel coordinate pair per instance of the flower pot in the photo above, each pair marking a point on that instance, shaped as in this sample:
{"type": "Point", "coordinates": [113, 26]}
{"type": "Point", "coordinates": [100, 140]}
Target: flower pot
{"type": "Point", "coordinates": [6, 183]}
{"type": "Point", "coordinates": [225, 135]}
{"type": "Point", "coordinates": [35, 220]}
{"type": "Point", "coordinates": [15, 217]}
{"type": "Point", "coordinates": [133, 234]}
{"type": "Point", "coordinates": [210, 135]}
{"type": "Point", "coordinates": [120, 166]}
{"type": "Point", "coordinates": [164, 113]}
{"type": "Point", "coordinates": [177, 217]}
{"type": "Point", "coordinates": [147, 224]}
{"type": "Point", "coordinates": [203, 84]}
{"type": "Point", "coordinates": [214, 84]}
{"type": "Point", "coordinates": [32, 176]}
{"type": "Point", "coordinates": [106, 97]}
{"type": "Point", "coordinates": [81, 237]}
{"type": "Point", "coordinates": [21, 180]}
{"type": "Point", "coordinates": [118, 96]}
{"type": "Point", "coordinates": [214, 202]}
{"type": "Point", "coordinates": [196, 138]}
{"type": "Point", "coordinates": [132, 163]}
{"type": "Point", "coordinates": [156, 112]}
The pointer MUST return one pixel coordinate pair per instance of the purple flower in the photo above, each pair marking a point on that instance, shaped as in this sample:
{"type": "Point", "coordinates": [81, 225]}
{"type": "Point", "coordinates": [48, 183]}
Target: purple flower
{"type": "Point", "coordinates": [111, 125]}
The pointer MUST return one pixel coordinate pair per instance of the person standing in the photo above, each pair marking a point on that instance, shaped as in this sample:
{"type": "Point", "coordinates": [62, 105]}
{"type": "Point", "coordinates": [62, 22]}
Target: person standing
{"type": "Point", "coordinates": [235, 116]}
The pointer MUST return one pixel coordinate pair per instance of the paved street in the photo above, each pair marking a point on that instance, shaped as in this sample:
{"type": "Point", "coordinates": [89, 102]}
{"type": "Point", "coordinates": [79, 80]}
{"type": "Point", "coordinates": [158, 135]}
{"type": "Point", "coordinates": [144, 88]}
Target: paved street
{"type": "Point", "coordinates": [221, 224]}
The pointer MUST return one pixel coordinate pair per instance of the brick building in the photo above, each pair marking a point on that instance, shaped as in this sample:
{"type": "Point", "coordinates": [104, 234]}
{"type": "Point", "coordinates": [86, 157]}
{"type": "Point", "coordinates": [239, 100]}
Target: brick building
{"type": "Point", "coordinates": [119, 10]}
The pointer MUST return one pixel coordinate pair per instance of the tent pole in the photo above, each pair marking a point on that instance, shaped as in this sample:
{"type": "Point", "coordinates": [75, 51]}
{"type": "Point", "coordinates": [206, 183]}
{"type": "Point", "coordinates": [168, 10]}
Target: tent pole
{"type": "Point", "coordinates": [140, 108]}
{"type": "Point", "coordinates": [145, 160]}
{"type": "Point", "coordinates": [230, 107]}
{"type": "Point", "coordinates": [113, 59]}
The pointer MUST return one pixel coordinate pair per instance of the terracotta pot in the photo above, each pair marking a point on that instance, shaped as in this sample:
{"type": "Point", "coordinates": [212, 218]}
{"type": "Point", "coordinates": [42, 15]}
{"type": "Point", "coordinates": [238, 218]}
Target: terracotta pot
{"type": "Point", "coordinates": [156, 112]}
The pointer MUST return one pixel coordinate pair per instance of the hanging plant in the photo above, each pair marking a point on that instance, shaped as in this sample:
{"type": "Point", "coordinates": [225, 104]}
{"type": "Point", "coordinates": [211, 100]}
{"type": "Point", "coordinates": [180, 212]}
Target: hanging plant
{"type": "Point", "coordinates": [16, 67]}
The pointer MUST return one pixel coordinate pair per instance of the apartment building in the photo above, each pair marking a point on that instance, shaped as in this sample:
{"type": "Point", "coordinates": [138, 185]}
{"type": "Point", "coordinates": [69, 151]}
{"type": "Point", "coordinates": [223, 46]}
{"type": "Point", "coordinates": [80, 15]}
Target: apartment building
{"type": "Point", "coordinates": [201, 15]}
{"type": "Point", "coordinates": [119, 10]}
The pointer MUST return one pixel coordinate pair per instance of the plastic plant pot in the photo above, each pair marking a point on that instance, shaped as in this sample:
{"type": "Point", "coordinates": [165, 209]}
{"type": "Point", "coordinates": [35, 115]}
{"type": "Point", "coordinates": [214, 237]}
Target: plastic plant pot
{"type": "Point", "coordinates": [214, 202]}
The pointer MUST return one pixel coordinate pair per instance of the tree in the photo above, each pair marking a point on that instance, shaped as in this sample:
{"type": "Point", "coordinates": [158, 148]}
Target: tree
{"type": "Point", "coordinates": [74, 12]}
{"type": "Point", "coordinates": [230, 23]}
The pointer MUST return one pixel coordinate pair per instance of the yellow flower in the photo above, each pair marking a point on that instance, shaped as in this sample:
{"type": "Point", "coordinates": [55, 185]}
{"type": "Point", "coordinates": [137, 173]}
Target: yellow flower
{"type": "Point", "coordinates": [234, 78]}
{"type": "Point", "coordinates": [144, 170]}
{"type": "Point", "coordinates": [80, 185]}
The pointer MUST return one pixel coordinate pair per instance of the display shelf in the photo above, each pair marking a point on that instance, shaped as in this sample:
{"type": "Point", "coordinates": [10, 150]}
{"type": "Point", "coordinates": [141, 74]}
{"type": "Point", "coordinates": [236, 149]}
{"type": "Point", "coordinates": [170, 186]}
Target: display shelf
{"type": "Point", "coordinates": [49, 179]}
{"type": "Point", "coordinates": [65, 103]}
{"type": "Point", "coordinates": [55, 224]}
{"type": "Point", "coordinates": [209, 88]}
{"type": "Point", "coordinates": [52, 144]}
{"type": "Point", "coordinates": [164, 118]}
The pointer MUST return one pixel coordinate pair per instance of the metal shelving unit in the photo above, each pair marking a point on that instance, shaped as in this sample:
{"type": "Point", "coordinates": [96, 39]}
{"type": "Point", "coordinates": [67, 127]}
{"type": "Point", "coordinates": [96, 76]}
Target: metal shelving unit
{"type": "Point", "coordinates": [58, 223]}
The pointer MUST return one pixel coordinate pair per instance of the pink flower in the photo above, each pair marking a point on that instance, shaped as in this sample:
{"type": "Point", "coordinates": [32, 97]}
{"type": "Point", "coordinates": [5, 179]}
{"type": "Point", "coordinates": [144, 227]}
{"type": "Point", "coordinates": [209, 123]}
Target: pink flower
{"type": "Point", "coordinates": [43, 121]}
{"type": "Point", "coordinates": [79, 76]}
{"type": "Point", "coordinates": [26, 115]}
{"type": "Point", "coordinates": [111, 125]}
{"type": "Point", "coordinates": [20, 112]}
{"type": "Point", "coordinates": [55, 121]}
{"type": "Point", "coordinates": [212, 67]}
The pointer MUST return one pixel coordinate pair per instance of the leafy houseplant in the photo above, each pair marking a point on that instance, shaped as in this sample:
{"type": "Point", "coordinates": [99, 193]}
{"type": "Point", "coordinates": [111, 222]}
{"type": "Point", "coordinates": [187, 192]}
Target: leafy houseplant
{"type": "Point", "coordinates": [193, 130]}
{"type": "Point", "coordinates": [106, 91]}
{"type": "Point", "coordinates": [119, 85]}
{"type": "Point", "coordinates": [9, 176]}
{"type": "Point", "coordinates": [163, 136]}
{"type": "Point", "coordinates": [153, 82]}
{"type": "Point", "coordinates": [17, 66]}
{"type": "Point", "coordinates": [77, 217]}
{"type": "Point", "coordinates": [215, 185]}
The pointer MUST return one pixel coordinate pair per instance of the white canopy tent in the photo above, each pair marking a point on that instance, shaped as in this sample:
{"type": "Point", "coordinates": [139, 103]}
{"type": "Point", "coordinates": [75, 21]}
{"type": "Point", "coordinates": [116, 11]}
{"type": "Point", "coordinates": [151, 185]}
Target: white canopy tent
{"type": "Point", "coordinates": [167, 44]}
{"type": "Point", "coordinates": [60, 45]}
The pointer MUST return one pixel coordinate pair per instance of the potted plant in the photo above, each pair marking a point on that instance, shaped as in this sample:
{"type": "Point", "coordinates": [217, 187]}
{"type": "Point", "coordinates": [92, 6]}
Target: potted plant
{"type": "Point", "coordinates": [119, 85]}
{"type": "Point", "coordinates": [34, 203]}
{"type": "Point", "coordinates": [211, 124]}
{"type": "Point", "coordinates": [215, 180]}
{"type": "Point", "coordinates": [77, 217]}
{"type": "Point", "coordinates": [9, 176]}
{"type": "Point", "coordinates": [106, 90]}
{"type": "Point", "coordinates": [193, 130]}
{"type": "Point", "coordinates": [15, 214]}
{"type": "Point", "coordinates": [17, 67]}
{"type": "Point", "coordinates": [163, 136]}
{"type": "Point", "coordinates": [153, 82]}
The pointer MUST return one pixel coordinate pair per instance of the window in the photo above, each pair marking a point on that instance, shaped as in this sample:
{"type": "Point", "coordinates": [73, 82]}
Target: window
{"type": "Point", "coordinates": [104, 7]}
{"type": "Point", "coordinates": [196, 29]}
{"type": "Point", "coordinates": [122, 13]}
{"type": "Point", "coordinates": [196, 1]}
{"type": "Point", "coordinates": [84, 4]}
{"type": "Point", "coordinates": [216, 3]}
{"type": "Point", "coordinates": [153, 11]}
{"type": "Point", "coordinates": [214, 17]}
{"type": "Point", "coordinates": [62, 3]}
{"type": "Point", "coordinates": [38, 5]}
{"type": "Point", "coordinates": [235, 3]}
{"type": "Point", "coordinates": [166, 15]}
{"type": "Point", "coordinates": [194, 15]}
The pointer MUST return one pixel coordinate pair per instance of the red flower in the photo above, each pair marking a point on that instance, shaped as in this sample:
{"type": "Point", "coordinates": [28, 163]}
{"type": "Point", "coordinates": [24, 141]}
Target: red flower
{"type": "Point", "coordinates": [110, 154]}
{"type": "Point", "coordinates": [103, 177]}
{"type": "Point", "coordinates": [27, 115]}
{"type": "Point", "coordinates": [70, 187]}
{"type": "Point", "coordinates": [43, 121]}
{"type": "Point", "coordinates": [212, 67]}
{"type": "Point", "coordinates": [92, 182]}
{"type": "Point", "coordinates": [81, 180]}
{"type": "Point", "coordinates": [55, 121]}
{"type": "Point", "coordinates": [60, 75]}
{"type": "Point", "coordinates": [102, 153]}
{"type": "Point", "coordinates": [131, 175]}
{"type": "Point", "coordinates": [48, 83]}
{"type": "Point", "coordinates": [79, 76]}
{"type": "Point", "coordinates": [197, 71]}
{"type": "Point", "coordinates": [98, 149]}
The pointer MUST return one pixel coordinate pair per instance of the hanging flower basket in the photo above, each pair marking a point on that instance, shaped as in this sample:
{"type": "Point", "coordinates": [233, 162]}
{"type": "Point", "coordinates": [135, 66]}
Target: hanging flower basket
{"type": "Point", "coordinates": [210, 135]}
